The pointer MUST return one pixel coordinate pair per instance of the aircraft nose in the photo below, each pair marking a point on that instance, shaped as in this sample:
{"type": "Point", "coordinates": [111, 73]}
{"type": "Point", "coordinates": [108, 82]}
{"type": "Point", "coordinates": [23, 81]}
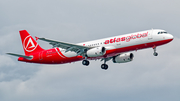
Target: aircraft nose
{"type": "Point", "coordinates": [171, 36]}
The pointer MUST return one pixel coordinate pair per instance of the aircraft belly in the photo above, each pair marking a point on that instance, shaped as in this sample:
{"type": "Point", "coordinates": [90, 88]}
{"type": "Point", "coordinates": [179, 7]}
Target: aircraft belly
{"type": "Point", "coordinates": [69, 54]}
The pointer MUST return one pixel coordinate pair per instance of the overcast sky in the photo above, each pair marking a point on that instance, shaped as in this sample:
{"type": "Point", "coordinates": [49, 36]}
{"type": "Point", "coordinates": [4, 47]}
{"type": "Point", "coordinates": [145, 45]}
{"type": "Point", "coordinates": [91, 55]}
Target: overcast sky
{"type": "Point", "coordinates": [146, 78]}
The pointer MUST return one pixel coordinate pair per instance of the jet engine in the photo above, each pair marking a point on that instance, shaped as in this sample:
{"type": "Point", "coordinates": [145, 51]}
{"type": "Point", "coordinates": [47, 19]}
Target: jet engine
{"type": "Point", "coordinates": [97, 51]}
{"type": "Point", "coordinates": [123, 58]}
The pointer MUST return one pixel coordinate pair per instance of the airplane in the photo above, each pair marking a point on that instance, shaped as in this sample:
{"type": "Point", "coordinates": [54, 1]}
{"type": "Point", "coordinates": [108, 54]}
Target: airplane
{"type": "Point", "coordinates": [117, 48]}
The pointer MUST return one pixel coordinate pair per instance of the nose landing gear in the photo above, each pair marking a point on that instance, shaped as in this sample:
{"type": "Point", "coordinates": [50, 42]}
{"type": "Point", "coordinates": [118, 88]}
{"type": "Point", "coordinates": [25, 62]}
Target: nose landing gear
{"type": "Point", "coordinates": [155, 53]}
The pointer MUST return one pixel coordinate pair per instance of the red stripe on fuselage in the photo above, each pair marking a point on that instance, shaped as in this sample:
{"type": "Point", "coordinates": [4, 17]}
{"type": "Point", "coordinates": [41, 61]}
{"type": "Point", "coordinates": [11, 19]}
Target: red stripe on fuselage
{"type": "Point", "coordinates": [114, 52]}
{"type": "Point", "coordinates": [59, 52]}
{"type": "Point", "coordinates": [56, 57]}
{"type": "Point", "coordinates": [137, 47]}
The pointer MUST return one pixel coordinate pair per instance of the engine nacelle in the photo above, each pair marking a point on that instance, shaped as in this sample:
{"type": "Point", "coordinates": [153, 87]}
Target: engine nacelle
{"type": "Point", "coordinates": [123, 58]}
{"type": "Point", "coordinates": [97, 51]}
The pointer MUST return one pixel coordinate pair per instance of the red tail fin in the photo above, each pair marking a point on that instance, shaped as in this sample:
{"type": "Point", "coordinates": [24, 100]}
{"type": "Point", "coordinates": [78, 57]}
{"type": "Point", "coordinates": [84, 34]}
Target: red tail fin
{"type": "Point", "coordinates": [29, 44]}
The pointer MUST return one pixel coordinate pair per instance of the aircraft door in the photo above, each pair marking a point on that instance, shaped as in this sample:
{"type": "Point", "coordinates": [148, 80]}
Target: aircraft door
{"type": "Point", "coordinates": [41, 55]}
{"type": "Point", "coordinates": [150, 34]}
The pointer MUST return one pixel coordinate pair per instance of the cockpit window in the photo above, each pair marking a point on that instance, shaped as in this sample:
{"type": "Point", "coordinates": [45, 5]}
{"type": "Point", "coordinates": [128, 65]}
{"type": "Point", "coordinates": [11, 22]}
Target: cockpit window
{"type": "Point", "coordinates": [162, 32]}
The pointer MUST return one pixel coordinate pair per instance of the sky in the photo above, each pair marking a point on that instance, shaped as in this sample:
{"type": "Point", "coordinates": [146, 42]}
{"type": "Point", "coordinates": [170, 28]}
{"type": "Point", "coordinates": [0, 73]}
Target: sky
{"type": "Point", "coordinates": [146, 78]}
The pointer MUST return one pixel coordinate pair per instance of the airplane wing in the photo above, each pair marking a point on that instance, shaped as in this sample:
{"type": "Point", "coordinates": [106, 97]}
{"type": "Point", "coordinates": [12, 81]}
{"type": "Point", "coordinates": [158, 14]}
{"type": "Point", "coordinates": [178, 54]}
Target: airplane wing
{"type": "Point", "coordinates": [26, 57]}
{"type": "Point", "coordinates": [79, 49]}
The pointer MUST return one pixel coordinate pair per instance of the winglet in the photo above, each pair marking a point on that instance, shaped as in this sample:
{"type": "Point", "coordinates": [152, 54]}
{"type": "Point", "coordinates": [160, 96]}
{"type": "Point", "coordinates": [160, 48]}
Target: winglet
{"type": "Point", "coordinates": [36, 38]}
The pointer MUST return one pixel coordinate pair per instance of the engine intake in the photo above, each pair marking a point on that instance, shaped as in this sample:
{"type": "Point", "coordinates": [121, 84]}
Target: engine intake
{"type": "Point", "coordinates": [97, 51]}
{"type": "Point", "coordinates": [123, 58]}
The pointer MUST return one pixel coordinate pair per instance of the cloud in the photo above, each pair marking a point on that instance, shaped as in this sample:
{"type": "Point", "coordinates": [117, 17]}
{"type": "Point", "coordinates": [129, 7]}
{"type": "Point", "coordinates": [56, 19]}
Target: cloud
{"type": "Point", "coordinates": [145, 78]}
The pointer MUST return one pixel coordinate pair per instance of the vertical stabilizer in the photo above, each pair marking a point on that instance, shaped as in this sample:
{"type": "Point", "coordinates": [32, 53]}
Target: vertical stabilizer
{"type": "Point", "coordinates": [28, 43]}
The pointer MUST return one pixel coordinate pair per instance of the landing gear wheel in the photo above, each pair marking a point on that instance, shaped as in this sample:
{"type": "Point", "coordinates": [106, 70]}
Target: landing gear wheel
{"type": "Point", "coordinates": [155, 54]}
{"type": "Point", "coordinates": [85, 62]}
{"type": "Point", "coordinates": [104, 66]}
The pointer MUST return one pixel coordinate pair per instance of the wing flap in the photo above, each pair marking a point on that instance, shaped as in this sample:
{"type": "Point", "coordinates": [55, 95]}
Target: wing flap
{"type": "Point", "coordinates": [52, 42]}
{"type": "Point", "coordinates": [68, 46]}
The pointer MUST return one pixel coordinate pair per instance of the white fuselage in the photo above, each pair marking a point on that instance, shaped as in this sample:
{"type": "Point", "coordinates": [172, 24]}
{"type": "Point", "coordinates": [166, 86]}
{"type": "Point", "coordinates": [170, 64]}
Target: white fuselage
{"type": "Point", "coordinates": [121, 41]}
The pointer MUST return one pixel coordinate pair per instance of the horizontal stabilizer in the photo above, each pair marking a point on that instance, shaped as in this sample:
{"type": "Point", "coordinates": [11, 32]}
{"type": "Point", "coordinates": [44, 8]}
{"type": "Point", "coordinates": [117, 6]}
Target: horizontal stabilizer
{"type": "Point", "coordinates": [26, 57]}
